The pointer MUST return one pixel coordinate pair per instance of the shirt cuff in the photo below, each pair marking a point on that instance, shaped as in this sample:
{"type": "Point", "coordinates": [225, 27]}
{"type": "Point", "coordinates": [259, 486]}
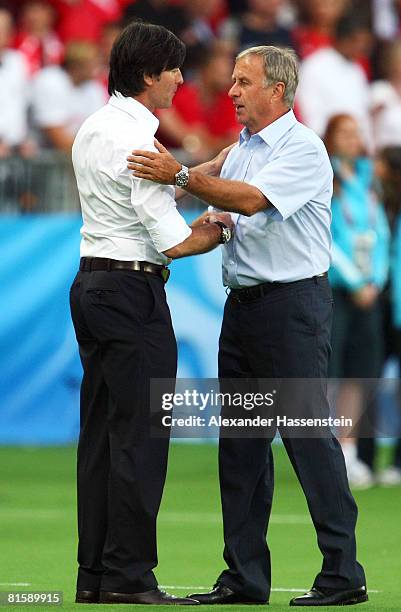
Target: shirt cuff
{"type": "Point", "coordinates": [170, 230]}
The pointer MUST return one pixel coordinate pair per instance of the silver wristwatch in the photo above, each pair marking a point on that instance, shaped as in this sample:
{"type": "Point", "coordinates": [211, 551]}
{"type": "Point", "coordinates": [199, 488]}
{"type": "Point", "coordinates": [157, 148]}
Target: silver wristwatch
{"type": "Point", "coordinates": [226, 233]}
{"type": "Point", "coordinates": [182, 177]}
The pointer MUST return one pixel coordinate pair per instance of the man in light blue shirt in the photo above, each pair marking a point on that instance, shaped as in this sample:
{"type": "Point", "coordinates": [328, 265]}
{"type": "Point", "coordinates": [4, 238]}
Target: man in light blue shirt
{"type": "Point", "coordinates": [277, 319]}
{"type": "Point", "coordinates": [288, 163]}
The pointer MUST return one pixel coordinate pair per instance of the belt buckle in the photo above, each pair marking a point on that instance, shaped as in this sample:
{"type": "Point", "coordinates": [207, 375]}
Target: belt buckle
{"type": "Point", "coordinates": [165, 274]}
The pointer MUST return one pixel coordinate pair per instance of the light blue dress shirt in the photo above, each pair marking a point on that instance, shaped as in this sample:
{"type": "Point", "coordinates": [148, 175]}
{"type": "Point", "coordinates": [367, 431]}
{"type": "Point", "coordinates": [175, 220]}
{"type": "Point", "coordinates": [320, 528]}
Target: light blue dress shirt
{"type": "Point", "coordinates": [289, 164]}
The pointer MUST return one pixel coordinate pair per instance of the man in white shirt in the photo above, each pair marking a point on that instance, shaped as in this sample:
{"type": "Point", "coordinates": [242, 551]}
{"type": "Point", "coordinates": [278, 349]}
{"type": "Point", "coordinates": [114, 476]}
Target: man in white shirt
{"type": "Point", "coordinates": [385, 99]}
{"type": "Point", "coordinates": [14, 87]}
{"type": "Point", "coordinates": [63, 97]}
{"type": "Point", "coordinates": [131, 230]}
{"type": "Point", "coordinates": [332, 82]}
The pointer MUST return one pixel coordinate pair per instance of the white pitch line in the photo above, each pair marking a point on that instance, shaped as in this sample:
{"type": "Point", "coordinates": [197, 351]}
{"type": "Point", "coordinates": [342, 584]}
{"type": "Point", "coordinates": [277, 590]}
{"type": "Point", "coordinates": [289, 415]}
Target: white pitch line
{"type": "Point", "coordinates": [196, 589]}
{"type": "Point", "coordinates": [186, 588]}
{"type": "Point", "coordinates": [24, 584]}
{"type": "Point", "coordinates": [279, 590]}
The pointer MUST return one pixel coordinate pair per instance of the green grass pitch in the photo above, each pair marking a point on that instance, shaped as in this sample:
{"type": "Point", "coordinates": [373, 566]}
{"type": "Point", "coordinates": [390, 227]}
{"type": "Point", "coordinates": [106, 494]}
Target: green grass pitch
{"type": "Point", "coordinates": [38, 529]}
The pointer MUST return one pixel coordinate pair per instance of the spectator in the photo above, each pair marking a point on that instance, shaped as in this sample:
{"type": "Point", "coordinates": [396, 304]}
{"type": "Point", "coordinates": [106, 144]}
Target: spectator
{"type": "Point", "coordinates": [236, 7]}
{"type": "Point", "coordinates": [287, 13]}
{"type": "Point", "coordinates": [258, 26]}
{"type": "Point", "coordinates": [199, 32]}
{"type": "Point", "coordinates": [201, 13]}
{"type": "Point", "coordinates": [37, 39]}
{"type": "Point", "coordinates": [159, 12]}
{"type": "Point", "coordinates": [388, 169]}
{"type": "Point", "coordinates": [187, 20]}
{"type": "Point", "coordinates": [63, 97]}
{"type": "Point", "coordinates": [14, 87]}
{"type": "Point", "coordinates": [109, 33]}
{"type": "Point", "coordinates": [386, 99]}
{"type": "Point", "coordinates": [331, 82]}
{"type": "Point", "coordinates": [359, 271]}
{"type": "Point", "coordinates": [84, 19]}
{"type": "Point", "coordinates": [386, 18]}
{"type": "Point", "coordinates": [317, 25]}
{"type": "Point", "coordinates": [11, 6]}
{"type": "Point", "coordinates": [202, 119]}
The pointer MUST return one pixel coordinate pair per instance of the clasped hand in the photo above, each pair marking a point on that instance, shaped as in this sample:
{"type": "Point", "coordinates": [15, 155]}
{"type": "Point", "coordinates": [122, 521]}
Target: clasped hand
{"type": "Point", "coordinates": [211, 217]}
{"type": "Point", "coordinates": [160, 167]}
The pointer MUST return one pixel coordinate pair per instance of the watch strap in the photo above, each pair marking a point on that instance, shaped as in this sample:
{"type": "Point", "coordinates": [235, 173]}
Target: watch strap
{"type": "Point", "coordinates": [222, 227]}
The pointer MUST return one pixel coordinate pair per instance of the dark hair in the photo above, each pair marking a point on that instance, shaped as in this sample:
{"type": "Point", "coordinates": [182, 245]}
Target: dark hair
{"type": "Point", "coordinates": [142, 49]}
{"type": "Point", "coordinates": [328, 139]}
{"type": "Point", "coordinates": [332, 126]}
{"type": "Point", "coordinates": [350, 23]}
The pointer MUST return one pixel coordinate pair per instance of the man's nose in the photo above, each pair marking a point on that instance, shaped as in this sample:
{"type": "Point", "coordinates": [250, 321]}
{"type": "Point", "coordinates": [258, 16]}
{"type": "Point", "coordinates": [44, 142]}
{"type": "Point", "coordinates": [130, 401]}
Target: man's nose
{"type": "Point", "coordinates": [233, 92]}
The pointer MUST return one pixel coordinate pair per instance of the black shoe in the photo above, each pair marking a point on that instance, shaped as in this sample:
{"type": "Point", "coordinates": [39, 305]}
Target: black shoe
{"type": "Point", "coordinates": [221, 594]}
{"type": "Point", "coordinates": [155, 597]}
{"type": "Point", "coordinates": [330, 597]}
{"type": "Point", "coordinates": [90, 597]}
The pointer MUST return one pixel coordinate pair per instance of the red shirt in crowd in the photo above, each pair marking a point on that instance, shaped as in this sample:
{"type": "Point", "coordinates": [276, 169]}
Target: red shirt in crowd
{"type": "Point", "coordinates": [84, 19]}
{"type": "Point", "coordinates": [219, 119]}
{"type": "Point", "coordinates": [307, 40]}
{"type": "Point", "coordinates": [39, 52]}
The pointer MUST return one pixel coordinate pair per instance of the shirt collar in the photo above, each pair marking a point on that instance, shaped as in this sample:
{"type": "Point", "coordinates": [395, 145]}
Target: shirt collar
{"type": "Point", "coordinates": [135, 109]}
{"type": "Point", "coordinates": [272, 133]}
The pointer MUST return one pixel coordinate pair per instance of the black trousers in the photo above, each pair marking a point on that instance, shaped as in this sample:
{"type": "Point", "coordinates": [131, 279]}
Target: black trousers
{"type": "Point", "coordinates": [367, 447]}
{"type": "Point", "coordinates": [353, 330]}
{"type": "Point", "coordinates": [123, 327]}
{"type": "Point", "coordinates": [285, 333]}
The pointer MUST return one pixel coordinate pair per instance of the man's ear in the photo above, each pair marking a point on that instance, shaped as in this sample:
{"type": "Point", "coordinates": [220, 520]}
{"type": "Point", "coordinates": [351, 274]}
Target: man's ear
{"type": "Point", "coordinates": [278, 92]}
{"type": "Point", "coordinates": [148, 79]}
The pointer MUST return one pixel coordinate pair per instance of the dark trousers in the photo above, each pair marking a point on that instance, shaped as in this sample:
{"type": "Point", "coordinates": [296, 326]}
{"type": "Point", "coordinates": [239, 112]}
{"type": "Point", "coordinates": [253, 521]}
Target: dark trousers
{"type": "Point", "coordinates": [285, 333]}
{"type": "Point", "coordinates": [353, 330]}
{"type": "Point", "coordinates": [367, 447]}
{"type": "Point", "coordinates": [123, 327]}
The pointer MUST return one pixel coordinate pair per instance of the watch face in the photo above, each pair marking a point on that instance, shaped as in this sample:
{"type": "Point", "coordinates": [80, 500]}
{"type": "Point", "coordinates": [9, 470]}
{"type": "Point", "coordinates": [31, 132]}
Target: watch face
{"type": "Point", "coordinates": [182, 178]}
{"type": "Point", "coordinates": [225, 234]}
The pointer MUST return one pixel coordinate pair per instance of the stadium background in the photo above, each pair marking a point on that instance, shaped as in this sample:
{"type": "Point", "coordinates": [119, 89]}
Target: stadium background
{"type": "Point", "coordinates": [39, 365]}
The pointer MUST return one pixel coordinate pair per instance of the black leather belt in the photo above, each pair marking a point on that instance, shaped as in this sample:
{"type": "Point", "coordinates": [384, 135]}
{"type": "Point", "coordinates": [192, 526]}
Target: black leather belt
{"type": "Point", "coordinates": [248, 294]}
{"type": "Point", "coordinates": [89, 264]}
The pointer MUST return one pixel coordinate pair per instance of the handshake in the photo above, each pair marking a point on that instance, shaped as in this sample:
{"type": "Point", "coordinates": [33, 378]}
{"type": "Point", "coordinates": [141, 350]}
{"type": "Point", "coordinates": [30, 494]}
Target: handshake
{"type": "Point", "coordinates": [212, 217]}
{"type": "Point", "coordinates": [223, 219]}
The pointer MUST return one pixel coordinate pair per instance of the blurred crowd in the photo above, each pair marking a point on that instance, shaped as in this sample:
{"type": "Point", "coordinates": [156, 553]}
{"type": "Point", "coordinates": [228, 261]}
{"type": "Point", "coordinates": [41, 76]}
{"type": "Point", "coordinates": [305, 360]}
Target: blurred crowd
{"type": "Point", "coordinates": [54, 63]}
{"type": "Point", "coordinates": [53, 74]}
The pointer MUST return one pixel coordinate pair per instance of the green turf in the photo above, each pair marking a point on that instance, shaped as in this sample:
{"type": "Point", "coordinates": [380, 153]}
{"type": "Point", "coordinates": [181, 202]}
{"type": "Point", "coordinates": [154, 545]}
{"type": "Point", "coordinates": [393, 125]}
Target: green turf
{"type": "Point", "coordinates": [38, 533]}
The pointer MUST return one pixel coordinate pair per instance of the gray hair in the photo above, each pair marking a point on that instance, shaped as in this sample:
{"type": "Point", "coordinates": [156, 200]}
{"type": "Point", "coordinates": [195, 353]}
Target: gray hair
{"type": "Point", "coordinates": [281, 65]}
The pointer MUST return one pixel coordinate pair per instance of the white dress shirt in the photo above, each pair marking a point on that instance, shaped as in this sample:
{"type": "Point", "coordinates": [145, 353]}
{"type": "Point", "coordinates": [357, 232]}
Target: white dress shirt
{"type": "Point", "coordinates": [124, 217]}
{"type": "Point", "coordinates": [386, 107]}
{"type": "Point", "coordinates": [289, 164]}
{"type": "Point", "coordinates": [14, 97]}
{"type": "Point", "coordinates": [330, 84]}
